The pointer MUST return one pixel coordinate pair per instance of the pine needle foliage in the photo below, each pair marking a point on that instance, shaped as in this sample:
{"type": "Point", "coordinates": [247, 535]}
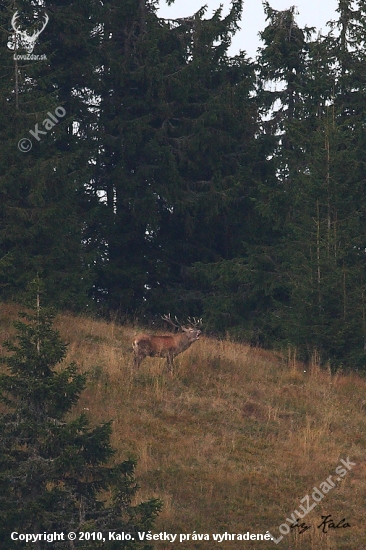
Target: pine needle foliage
{"type": "Point", "coordinates": [55, 475]}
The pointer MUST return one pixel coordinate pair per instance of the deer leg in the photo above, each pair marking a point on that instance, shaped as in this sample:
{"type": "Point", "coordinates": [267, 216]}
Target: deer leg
{"type": "Point", "coordinates": [137, 361]}
{"type": "Point", "coordinates": [169, 363]}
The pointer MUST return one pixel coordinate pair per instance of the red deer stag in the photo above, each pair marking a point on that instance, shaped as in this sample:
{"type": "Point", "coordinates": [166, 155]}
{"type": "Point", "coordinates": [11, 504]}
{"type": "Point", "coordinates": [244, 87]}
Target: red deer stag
{"type": "Point", "coordinates": [168, 346]}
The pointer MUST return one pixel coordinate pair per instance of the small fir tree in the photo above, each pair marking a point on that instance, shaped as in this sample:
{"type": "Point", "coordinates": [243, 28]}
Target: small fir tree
{"type": "Point", "coordinates": [53, 472]}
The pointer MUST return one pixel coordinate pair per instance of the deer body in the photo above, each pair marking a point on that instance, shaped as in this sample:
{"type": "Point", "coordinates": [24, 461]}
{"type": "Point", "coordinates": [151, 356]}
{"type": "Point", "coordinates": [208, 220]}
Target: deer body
{"type": "Point", "coordinates": [163, 346]}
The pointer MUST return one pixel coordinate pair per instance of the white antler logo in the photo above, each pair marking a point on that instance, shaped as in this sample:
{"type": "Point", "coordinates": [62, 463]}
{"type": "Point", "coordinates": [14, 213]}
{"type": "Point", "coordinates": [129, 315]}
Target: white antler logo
{"type": "Point", "coordinates": [22, 38]}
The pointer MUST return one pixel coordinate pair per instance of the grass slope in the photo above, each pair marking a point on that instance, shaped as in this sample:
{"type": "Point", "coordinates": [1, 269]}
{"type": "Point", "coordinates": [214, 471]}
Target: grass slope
{"type": "Point", "coordinates": [233, 440]}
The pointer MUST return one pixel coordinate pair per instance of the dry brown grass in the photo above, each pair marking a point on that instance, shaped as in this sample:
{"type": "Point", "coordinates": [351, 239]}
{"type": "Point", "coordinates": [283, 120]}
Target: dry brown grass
{"type": "Point", "coordinates": [233, 439]}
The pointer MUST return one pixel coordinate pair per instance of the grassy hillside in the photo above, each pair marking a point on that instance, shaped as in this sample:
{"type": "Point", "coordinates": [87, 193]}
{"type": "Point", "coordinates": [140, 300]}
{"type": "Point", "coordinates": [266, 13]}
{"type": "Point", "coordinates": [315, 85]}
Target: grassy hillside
{"type": "Point", "coordinates": [233, 440]}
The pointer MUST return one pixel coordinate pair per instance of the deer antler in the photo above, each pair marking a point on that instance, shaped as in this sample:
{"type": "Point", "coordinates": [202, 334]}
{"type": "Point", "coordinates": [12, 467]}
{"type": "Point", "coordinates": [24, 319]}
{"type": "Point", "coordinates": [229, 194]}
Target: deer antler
{"type": "Point", "coordinates": [169, 320]}
{"type": "Point", "coordinates": [195, 322]}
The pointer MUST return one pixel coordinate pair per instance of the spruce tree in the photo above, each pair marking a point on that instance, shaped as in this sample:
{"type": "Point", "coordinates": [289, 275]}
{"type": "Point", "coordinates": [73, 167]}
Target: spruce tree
{"type": "Point", "coordinates": [177, 127]}
{"type": "Point", "coordinates": [317, 200]}
{"type": "Point", "coordinates": [44, 200]}
{"type": "Point", "coordinates": [54, 475]}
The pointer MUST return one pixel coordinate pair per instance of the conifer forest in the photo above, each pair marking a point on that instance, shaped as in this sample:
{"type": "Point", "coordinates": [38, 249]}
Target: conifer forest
{"type": "Point", "coordinates": [144, 170]}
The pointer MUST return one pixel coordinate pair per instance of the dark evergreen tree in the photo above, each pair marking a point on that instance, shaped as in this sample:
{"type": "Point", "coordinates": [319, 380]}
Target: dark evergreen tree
{"type": "Point", "coordinates": [318, 198]}
{"type": "Point", "coordinates": [212, 142]}
{"type": "Point", "coordinates": [176, 147]}
{"type": "Point", "coordinates": [150, 171]}
{"type": "Point", "coordinates": [288, 106]}
{"type": "Point", "coordinates": [247, 292]}
{"type": "Point", "coordinates": [45, 200]}
{"type": "Point", "coordinates": [335, 201]}
{"type": "Point", "coordinates": [54, 473]}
